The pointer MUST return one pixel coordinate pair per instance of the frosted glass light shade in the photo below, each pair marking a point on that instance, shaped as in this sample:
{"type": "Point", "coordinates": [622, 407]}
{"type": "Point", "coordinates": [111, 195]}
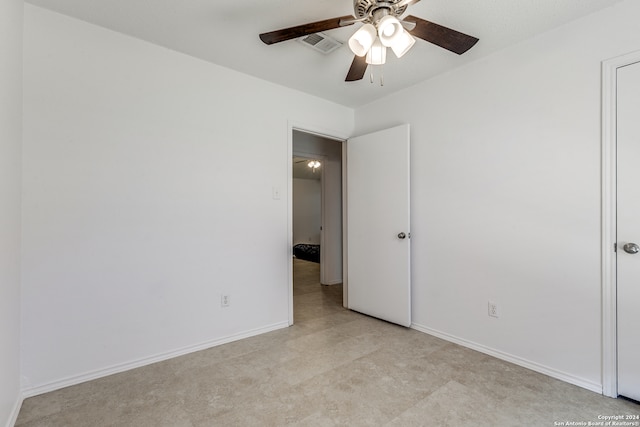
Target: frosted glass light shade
{"type": "Point", "coordinates": [362, 40]}
{"type": "Point", "coordinates": [403, 44]}
{"type": "Point", "coordinates": [377, 55]}
{"type": "Point", "coordinates": [389, 29]}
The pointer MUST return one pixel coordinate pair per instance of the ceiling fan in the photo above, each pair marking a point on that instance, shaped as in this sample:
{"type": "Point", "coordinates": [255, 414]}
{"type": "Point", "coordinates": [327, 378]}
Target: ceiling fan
{"type": "Point", "coordinates": [313, 164]}
{"type": "Point", "coordinates": [382, 28]}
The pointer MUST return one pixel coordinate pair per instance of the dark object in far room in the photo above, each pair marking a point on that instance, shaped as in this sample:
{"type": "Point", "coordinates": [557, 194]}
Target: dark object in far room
{"type": "Point", "coordinates": [307, 252]}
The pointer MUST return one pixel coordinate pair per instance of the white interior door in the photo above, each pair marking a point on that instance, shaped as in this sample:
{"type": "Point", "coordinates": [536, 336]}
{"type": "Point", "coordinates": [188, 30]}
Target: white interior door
{"type": "Point", "coordinates": [628, 234]}
{"type": "Point", "coordinates": [378, 257]}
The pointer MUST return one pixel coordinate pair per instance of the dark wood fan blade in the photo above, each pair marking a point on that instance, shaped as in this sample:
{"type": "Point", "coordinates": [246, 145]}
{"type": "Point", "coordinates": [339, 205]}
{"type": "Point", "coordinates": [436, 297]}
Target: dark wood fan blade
{"type": "Point", "coordinates": [447, 38]}
{"type": "Point", "coordinates": [357, 70]}
{"type": "Point", "coordinates": [303, 30]}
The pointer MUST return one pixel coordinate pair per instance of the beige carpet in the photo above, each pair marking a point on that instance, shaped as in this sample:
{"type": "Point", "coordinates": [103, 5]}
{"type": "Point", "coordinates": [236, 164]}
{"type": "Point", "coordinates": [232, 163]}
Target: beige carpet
{"type": "Point", "coordinates": [332, 368]}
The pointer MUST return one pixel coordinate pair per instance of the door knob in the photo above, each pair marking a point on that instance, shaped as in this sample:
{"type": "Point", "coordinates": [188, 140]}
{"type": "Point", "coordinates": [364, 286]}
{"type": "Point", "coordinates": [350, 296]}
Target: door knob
{"type": "Point", "coordinates": [401, 235]}
{"type": "Point", "coordinates": [631, 248]}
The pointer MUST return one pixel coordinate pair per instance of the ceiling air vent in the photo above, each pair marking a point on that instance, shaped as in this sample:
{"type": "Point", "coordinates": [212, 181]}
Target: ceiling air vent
{"type": "Point", "coordinates": [321, 42]}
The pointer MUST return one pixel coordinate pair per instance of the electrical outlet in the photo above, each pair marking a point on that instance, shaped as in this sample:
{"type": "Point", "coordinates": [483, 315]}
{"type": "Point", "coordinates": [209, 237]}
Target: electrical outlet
{"type": "Point", "coordinates": [225, 301]}
{"type": "Point", "coordinates": [493, 309]}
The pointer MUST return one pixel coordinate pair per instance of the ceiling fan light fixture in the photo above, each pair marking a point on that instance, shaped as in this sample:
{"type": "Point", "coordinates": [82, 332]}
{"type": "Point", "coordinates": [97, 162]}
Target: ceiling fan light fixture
{"type": "Point", "coordinates": [377, 55]}
{"type": "Point", "coordinates": [403, 44]}
{"type": "Point", "coordinates": [389, 30]}
{"type": "Point", "coordinates": [362, 40]}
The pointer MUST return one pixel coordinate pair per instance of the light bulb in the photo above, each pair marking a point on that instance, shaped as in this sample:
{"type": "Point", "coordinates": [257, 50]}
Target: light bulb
{"type": "Point", "coordinates": [403, 44]}
{"type": "Point", "coordinates": [377, 55]}
{"type": "Point", "coordinates": [361, 41]}
{"type": "Point", "coordinates": [389, 29]}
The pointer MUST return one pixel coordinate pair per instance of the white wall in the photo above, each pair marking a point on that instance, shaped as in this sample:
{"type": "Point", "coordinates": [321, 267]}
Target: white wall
{"type": "Point", "coordinates": [139, 208]}
{"type": "Point", "coordinates": [10, 146]}
{"type": "Point", "coordinates": [306, 211]}
{"type": "Point", "coordinates": [506, 195]}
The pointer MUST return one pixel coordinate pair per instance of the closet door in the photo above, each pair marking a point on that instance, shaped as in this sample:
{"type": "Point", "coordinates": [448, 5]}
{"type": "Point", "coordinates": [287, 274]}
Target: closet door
{"type": "Point", "coordinates": [628, 233]}
{"type": "Point", "coordinates": [378, 227]}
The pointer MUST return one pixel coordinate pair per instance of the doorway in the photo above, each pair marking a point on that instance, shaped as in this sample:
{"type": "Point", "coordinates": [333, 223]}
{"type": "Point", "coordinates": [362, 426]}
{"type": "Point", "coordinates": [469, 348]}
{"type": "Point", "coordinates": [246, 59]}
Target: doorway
{"type": "Point", "coordinates": [316, 215]}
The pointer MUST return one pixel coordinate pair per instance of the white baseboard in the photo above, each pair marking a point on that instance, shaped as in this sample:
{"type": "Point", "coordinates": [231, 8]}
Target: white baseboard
{"type": "Point", "coordinates": [99, 373]}
{"type": "Point", "coordinates": [554, 373]}
{"type": "Point", "coordinates": [13, 416]}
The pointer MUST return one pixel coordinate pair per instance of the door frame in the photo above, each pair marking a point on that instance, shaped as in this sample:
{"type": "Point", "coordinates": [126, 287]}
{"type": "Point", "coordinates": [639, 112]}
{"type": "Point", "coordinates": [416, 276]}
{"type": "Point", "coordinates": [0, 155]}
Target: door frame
{"type": "Point", "coordinates": [608, 220]}
{"type": "Point", "coordinates": [324, 132]}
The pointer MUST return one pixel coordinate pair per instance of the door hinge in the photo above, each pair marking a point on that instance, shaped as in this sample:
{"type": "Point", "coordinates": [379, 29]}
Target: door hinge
{"type": "Point", "coordinates": [615, 247]}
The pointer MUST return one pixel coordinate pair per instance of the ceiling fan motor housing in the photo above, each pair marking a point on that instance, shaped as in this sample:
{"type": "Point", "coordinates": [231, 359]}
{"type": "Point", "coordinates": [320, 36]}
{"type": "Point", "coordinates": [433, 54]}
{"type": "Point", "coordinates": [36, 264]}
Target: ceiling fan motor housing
{"type": "Point", "coordinates": [374, 10]}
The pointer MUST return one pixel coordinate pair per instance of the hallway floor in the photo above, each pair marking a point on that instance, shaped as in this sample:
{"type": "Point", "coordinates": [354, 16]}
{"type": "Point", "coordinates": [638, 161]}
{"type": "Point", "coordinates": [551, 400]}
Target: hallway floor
{"type": "Point", "coordinates": [333, 367]}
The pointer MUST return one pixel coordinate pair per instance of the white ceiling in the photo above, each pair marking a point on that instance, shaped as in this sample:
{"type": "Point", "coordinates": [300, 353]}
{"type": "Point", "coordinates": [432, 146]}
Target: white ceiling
{"type": "Point", "coordinates": [226, 33]}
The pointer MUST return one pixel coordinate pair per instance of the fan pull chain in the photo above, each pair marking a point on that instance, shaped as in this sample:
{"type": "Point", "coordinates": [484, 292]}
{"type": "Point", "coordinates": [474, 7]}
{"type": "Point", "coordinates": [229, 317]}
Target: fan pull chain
{"type": "Point", "coordinates": [371, 78]}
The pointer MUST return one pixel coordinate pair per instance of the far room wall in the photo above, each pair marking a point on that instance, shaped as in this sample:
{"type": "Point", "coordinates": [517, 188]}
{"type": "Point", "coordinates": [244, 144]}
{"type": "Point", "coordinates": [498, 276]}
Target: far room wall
{"type": "Point", "coordinates": [306, 211]}
{"type": "Point", "coordinates": [505, 175]}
